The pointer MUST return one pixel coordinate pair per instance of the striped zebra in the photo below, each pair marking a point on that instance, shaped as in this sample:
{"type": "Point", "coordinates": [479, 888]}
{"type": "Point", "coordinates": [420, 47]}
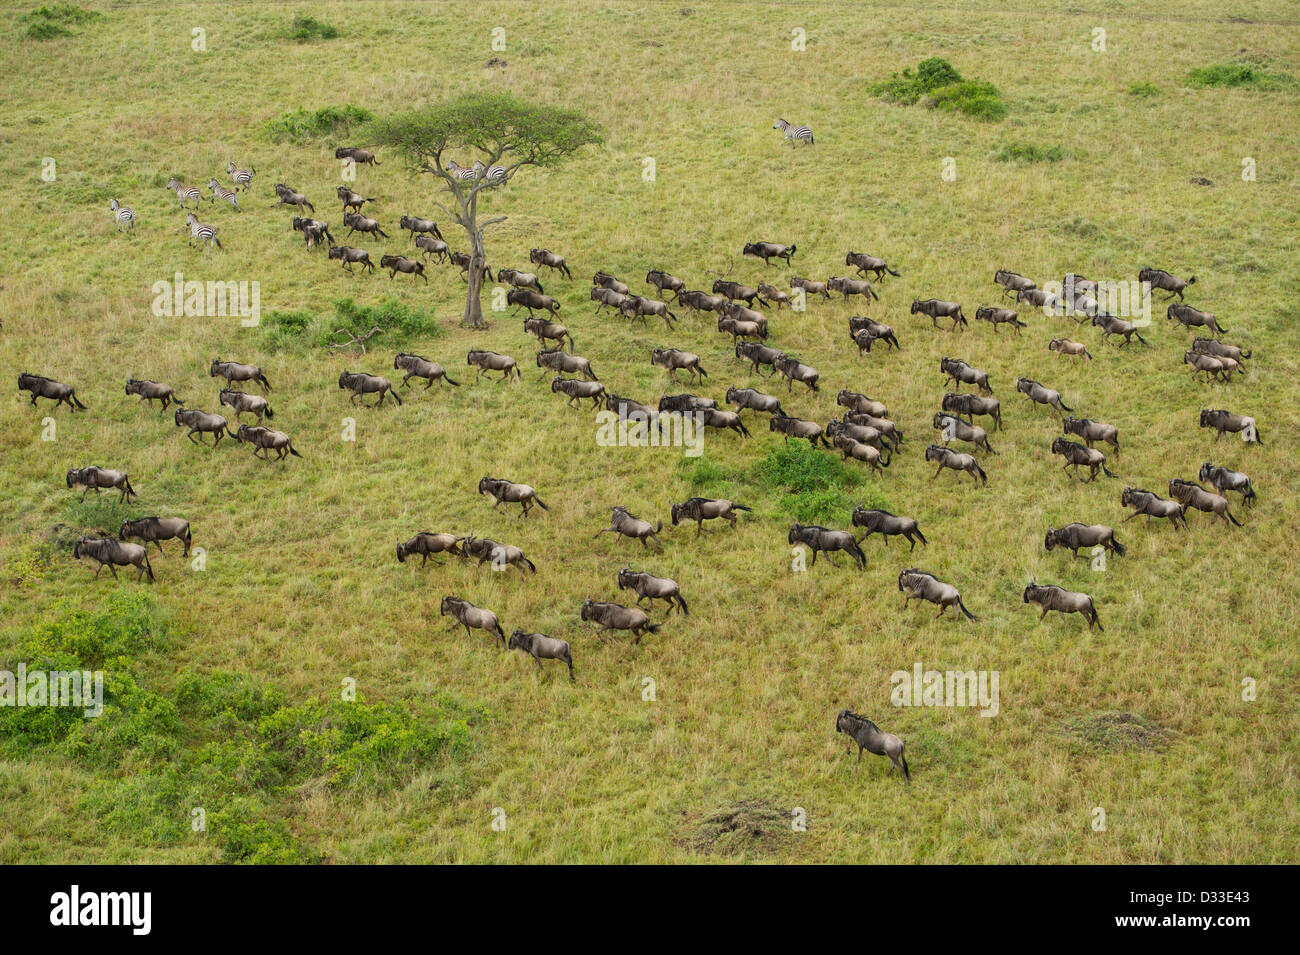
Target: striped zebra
{"type": "Point", "coordinates": [495, 175]}
{"type": "Point", "coordinates": [122, 215]}
{"type": "Point", "coordinates": [459, 171]}
{"type": "Point", "coordinates": [204, 233]}
{"type": "Point", "coordinates": [184, 192]}
{"type": "Point", "coordinates": [241, 177]}
{"type": "Point", "coordinates": [221, 192]}
{"type": "Point", "coordinates": [793, 133]}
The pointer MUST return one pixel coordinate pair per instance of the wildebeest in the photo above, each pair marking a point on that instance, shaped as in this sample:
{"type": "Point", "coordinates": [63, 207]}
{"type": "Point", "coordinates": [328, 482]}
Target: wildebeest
{"type": "Point", "coordinates": [501, 555]}
{"type": "Point", "coordinates": [576, 389]}
{"type": "Point", "coordinates": [810, 286]}
{"type": "Point", "coordinates": [98, 478]}
{"type": "Point", "coordinates": [758, 354]}
{"type": "Point", "coordinates": [1190, 317]}
{"type": "Point", "coordinates": [861, 451]}
{"type": "Point", "coordinates": [924, 586]}
{"type": "Point", "coordinates": [1211, 366]}
{"type": "Point", "coordinates": [955, 370]}
{"type": "Point", "coordinates": [418, 227]}
{"type": "Point", "coordinates": [861, 404]}
{"type": "Point", "coordinates": [612, 616]}
{"type": "Point", "coordinates": [664, 282]}
{"type": "Point", "coordinates": [508, 492]}
{"type": "Point", "coordinates": [798, 428]}
{"type": "Point", "coordinates": [773, 294]}
{"type": "Point", "coordinates": [112, 554]}
{"type": "Point", "coordinates": [427, 543]}
{"type": "Point", "coordinates": [546, 330]}
{"type": "Point", "coordinates": [42, 387]}
{"type": "Point", "coordinates": [744, 398]}
{"type": "Point", "coordinates": [200, 422]}
{"type": "Point", "coordinates": [605, 280]}
{"type": "Point", "coordinates": [1050, 597]}
{"type": "Point", "coordinates": [1092, 431]}
{"type": "Point", "coordinates": [624, 524]}
{"type": "Point", "coordinates": [233, 371]}
{"type": "Point", "coordinates": [865, 433]}
{"type": "Point", "coordinates": [701, 509]}
{"type": "Point", "coordinates": [847, 287]}
{"type": "Point", "coordinates": [1000, 316]}
{"type": "Point", "coordinates": [361, 384]}
{"type": "Point", "coordinates": [1076, 454]}
{"type": "Point", "coordinates": [937, 309]}
{"type": "Point", "coordinates": [868, 736]}
{"type": "Point", "coordinates": [1211, 346]}
{"type": "Point", "coordinates": [1063, 346]}
{"type": "Point", "coordinates": [954, 429]}
{"type": "Point", "coordinates": [539, 646]}
{"type": "Point", "coordinates": [956, 460]}
{"type": "Point", "coordinates": [865, 263]}
{"type": "Point", "coordinates": [1222, 421]}
{"type": "Point", "coordinates": [737, 292]}
{"type": "Point", "coordinates": [861, 323]}
{"type": "Point", "coordinates": [241, 401]}
{"type": "Point", "coordinates": [675, 359]}
{"type": "Point", "coordinates": [1047, 301]}
{"type": "Point", "coordinates": [157, 529]}
{"type": "Point", "coordinates": [549, 259]}
{"type": "Point", "coordinates": [491, 361]}
{"type": "Point", "coordinates": [1076, 535]}
{"type": "Point", "coordinates": [638, 306]}
{"type": "Point", "coordinates": [313, 231]}
{"type": "Point", "coordinates": [356, 222]}
{"type": "Point", "coordinates": [149, 390]}
{"type": "Point", "coordinates": [434, 248]}
{"type": "Point", "coordinates": [462, 261]}
{"type": "Point", "coordinates": [685, 402]}
{"type": "Point", "coordinates": [555, 359]}
{"type": "Point", "coordinates": [739, 329]}
{"type": "Point", "coordinates": [264, 441]}
{"type": "Point", "coordinates": [357, 155]}
{"type": "Point", "coordinates": [607, 297]}
{"type": "Point", "coordinates": [469, 616]}
{"type": "Point", "coordinates": [1111, 325]}
{"type": "Point", "coordinates": [719, 418]}
{"type": "Point", "coordinates": [400, 263]}
{"type": "Point", "coordinates": [629, 406]}
{"type": "Point", "coordinates": [1191, 494]}
{"type": "Point", "coordinates": [417, 367]}
{"type": "Point", "coordinates": [817, 538]}
{"type": "Point", "coordinates": [1013, 282]}
{"type": "Point", "coordinates": [1162, 280]}
{"type": "Point", "coordinates": [347, 255]}
{"type": "Point", "coordinates": [529, 299]}
{"type": "Point", "coordinates": [1152, 505]}
{"type": "Point", "coordinates": [1226, 480]}
{"type": "Point", "coordinates": [649, 587]}
{"type": "Point", "coordinates": [519, 279]}
{"type": "Point", "coordinates": [971, 405]}
{"type": "Point", "coordinates": [886, 524]}
{"type": "Point", "coordinates": [701, 301]}
{"type": "Point", "coordinates": [292, 197]}
{"type": "Point", "coordinates": [767, 251]}
{"type": "Point", "coordinates": [1041, 395]}
{"type": "Point", "coordinates": [795, 370]}
{"type": "Point", "coordinates": [887, 429]}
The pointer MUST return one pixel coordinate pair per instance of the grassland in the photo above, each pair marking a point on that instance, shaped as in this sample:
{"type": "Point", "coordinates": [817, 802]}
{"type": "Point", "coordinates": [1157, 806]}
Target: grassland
{"type": "Point", "coordinates": [301, 590]}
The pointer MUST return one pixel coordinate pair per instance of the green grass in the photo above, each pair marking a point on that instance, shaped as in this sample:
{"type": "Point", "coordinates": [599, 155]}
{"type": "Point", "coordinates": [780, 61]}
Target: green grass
{"type": "Point", "coordinates": [301, 590]}
{"type": "Point", "coordinates": [306, 28]}
{"type": "Point", "coordinates": [1030, 153]}
{"type": "Point", "coordinates": [1232, 75]}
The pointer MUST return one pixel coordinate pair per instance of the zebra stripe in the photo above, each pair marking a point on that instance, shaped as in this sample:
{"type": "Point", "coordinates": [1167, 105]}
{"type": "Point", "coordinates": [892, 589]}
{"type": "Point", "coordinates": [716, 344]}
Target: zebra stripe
{"type": "Point", "coordinates": [204, 233]}
{"type": "Point", "coordinates": [121, 214]}
{"type": "Point", "coordinates": [495, 175]}
{"type": "Point", "coordinates": [241, 177]}
{"type": "Point", "coordinates": [793, 133]}
{"type": "Point", "coordinates": [221, 192]}
{"type": "Point", "coordinates": [459, 171]}
{"type": "Point", "coordinates": [184, 192]}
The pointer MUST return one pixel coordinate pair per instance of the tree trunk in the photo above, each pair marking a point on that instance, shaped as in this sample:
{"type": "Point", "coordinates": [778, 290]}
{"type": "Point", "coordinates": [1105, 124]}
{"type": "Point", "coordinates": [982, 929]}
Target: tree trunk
{"type": "Point", "coordinates": [473, 305]}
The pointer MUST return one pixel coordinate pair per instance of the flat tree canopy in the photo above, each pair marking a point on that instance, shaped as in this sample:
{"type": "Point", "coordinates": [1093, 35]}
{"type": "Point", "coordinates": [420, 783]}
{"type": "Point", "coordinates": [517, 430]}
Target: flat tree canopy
{"type": "Point", "coordinates": [503, 131]}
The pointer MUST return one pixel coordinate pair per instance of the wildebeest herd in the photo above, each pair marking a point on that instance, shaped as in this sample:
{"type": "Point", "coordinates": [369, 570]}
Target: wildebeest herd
{"type": "Point", "coordinates": [863, 430]}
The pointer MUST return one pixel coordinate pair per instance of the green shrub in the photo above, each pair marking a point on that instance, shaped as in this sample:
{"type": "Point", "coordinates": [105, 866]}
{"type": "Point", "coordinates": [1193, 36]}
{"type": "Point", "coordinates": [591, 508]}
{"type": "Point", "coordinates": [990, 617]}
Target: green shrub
{"type": "Point", "coordinates": [1228, 74]}
{"type": "Point", "coordinates": [46, 30]}
{"type": "Point", "coordinates": [975, 98]}
{"type": "Point", "coordinates": [329, 122]}
{"type": "Point", "coordinates": [1143, 89]}
{"type": "Point", "coordinates": [1030, 153]}
{"type": "Point", "coordinates": [306, 28]}
{"type": "Point", "coordinates": [303, 328]}
{"type": "Point", "coordinates": [65, 13]}
{"type": "Point", "coordinates": [814, 486]}
{"type": "Point", "coordinates": [939, 84]}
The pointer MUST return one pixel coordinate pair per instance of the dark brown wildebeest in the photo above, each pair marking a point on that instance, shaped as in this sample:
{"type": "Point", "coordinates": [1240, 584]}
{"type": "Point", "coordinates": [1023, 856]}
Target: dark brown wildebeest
{"type": "Point", "coordinates": [418, 227]}
{"type": "Point", "coordinates": [555, 359]}
{"type": "Point", "coordinates": [737, 292]}
{"type": "Point", "coordinates": [665, 282]}
{"type": "Point", "coordinates": [347, 255]}
{"type": "Point", "coordinates": [356, 222]}
{"type": "Point", "coordinates": [157, 529]}
{"type": "Point", "coordinates": [971, 405]}
{"type": "Point", "coordinates": [817, 538]}
{"type": "Point", "coordinates": [529, 299]}
{"type": "Point", "coordinates": [937, 309]}
{"type": "Point", "coordinates": [1092, 431]}
{"type": "Point", "coordinates": [865, 263]}
{"type": "Point", "coordinates": [433, 248]}
{"type": "Point", "coordinates": [758, 354]}
{"type": "Point", "coordinates": [1076, 454]}
{"type": "Point", "coordinates": [508, 492]}
{"type": "Point", "coordinates": [607, 297]}
{"type": "Point", "coordinates": [264, 441]}
{"type": "Point", "coordinates": [577, 389]}
{"type": "Point", "coordinates": [350, 199]}
{"type": "Point", "coordinates": [1051, 597]}
{"type": "Point", "coordinates": [868, 736]}
{"type": "Point", "coordinates": [798, 428]}
{"type": "Point", "coordinates": [357, 155]}
{"type": "Point", "coordinates": [861, 323]}
{"type": "Point", "coordinates": [685, 402]}
{"type": "Point", "coordinates": [886, 524]}
{"type": "Point", "coordinates": [675, 359]}
{"type": "Point", "coordinates": [1000, 316]}
{"type": "Point", "coordinates": [744, 398]}
{"type": "Point", "coordinates": [1191, 494]}
{"type": "Point", "coordinates": [605, 280]}
{"type": "Point", "coordinates": [539, 646]}
{"type": "Point", "coordinates": [795, 370]}
{"type": "Point", "coordinates": [1222, 421]}
{"type": "Point", "coordinates": [612, 616]}
{"type": "Point", "coordinates": [701, 509]}
{"type": "Point", "coordinates": [649, 587]}
{"type": "Point", "coordinates": [200, 422]}
{"type": "Point", "coordinates": [549, 259]}
{"type": "Point", "coordinates": [292, 197]}
{"type": "Point", "coordinates": [923, 586]}
{"type": "Point", "coordinates": [361, 384]}
{"type": "Point", "coordinates": [314, 231]}
{"type": "Point", "coordinates": [467, 615]}
{"type": "Point", "coordinates": [957, 461]}
{"type": "Point", "coordinates": [1226, 480]}
{"type": "Point", "coordinates": [491, 361]}
{"type": "Point", "coordinates": [98, 478]}
{"type": "Point", "coordinates": [462, 261]}
{"type": "Point", "coordinates": [1190, 317]}
{"type": "Point", "coordinates": [1076, 535]}
{"type": "Point", "coordinates": [1014, 282]}
{"type": "Point", "coordinates": [1152, 505]}
{"type": "Point", "coordinates": [400, 263]}
{"type": "Point", "coordinates": [701, 301]}
{"type": "Point", "coordinates": [42, 387]}
{"type": "Point", "coordinates": [624, 524]}
{"type": "Point", "coordinates": [149, 390]}
{"type": "Point", "coordinates": [638, 306]}
{"type": "Point", "coordinates": [417, 367]}
{"type": "Point", "coordinates": [501, 555]}
{"type": "Point", "coordinates": [233, 371]}
{"type": "Point", "coordinates": [427, 543]}
{"type": "Point", "coordinates": [113, 554]}
{"type": "Point", "coordinates": [955, 370]}
{"type": "Point", "coordinates": [1039, 394]}
{"type": "Point", "coordinates": [1162, 280]}
{"type": "Point", "coordinates": [547, 330]}
{"type": "Point", "coordinates": [1111, 325]}
{"type": "Point", "coordinates": [767, 251]}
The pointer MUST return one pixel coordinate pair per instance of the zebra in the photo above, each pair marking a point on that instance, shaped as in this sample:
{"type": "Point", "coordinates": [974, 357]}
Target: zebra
{"type": "Point", "coordinates": [221, 192]}
{"type": "Point", "coordinates": [121, 215]}
{"type": "Point", "coordinates": [184, 192]}
{"type": "Point", "coordinates": [495, 175]}
{"type": "Point", "coordinates": [793, 133]}
{"type": "Point", "coordinates": [460, 172]}
{"type": "Point", "coordinates": [241, 177]}
{"type": "Point", "coordinates": [204, 233]}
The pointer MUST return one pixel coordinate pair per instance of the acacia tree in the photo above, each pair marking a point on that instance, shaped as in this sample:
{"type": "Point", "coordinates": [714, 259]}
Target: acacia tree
{"type": "Point", "coordinates": [499, 130]}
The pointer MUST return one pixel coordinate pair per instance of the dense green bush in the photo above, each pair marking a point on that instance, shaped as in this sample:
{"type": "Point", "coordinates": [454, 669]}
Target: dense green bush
{"type": "Point", "coordinates": [937, 83]}
{"type": "Point", "coordinates": [1030, 153]}
{"type": "Point", "coordinates": [301, 125]}
{"type": "Point", "coordinates": [304, 328]}
{"type": "Point", "coordinates": [306, 28]}
{"type": "Point", "coordinates": [1235, 74]}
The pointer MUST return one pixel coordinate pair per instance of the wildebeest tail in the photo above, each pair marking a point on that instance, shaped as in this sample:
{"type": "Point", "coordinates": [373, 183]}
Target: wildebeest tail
{"type": "Point", "coordinates": [531, 565]}
{"type": "Point", "coordinates": [682, 603]}
{"type": "Point", "coordinates": [1231, 518]}
{"type": "Point", "coordinates": [455, 384]}
{"type": "Point", "coordinates": [1120, 549]}
{"type": "Point", "coordinates": [907, 773]}
{"type": "Point", "coordinates": [700, 369]}
{"type": "Point", "coordinates": [891, 271]}
{"type": "Point", "coordinates": [962, 606]}
{"type": "Point", "coordinates": [983, 476]}
{"type": "Point", "coordinates": [653, 627]}
{"type": "Point", "coordinates": [1065, 406]}
{"type": "Point", "coordinates": [129, 489]}
{"type": "Point", "coordinates": [540, 503]}
{"type": "Point", "coordinates": [269, 412]}
{"type": "Point", "coordinates": [77, 401]}
{"type": "Point", "coordinates": [396, 396]}
{"type": "Point", "coordinates": [1107, 471]}
{"type": "Point", "coordinates": [294, 452]}
{"type": "Point", "coordinates": [740, 507]}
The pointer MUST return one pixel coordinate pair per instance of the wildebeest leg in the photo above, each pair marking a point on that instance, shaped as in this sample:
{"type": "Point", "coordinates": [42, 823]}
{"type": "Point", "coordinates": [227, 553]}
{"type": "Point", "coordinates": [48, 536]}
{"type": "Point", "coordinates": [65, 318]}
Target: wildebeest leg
{"type": "Point", "coordinates": [114, 570]}
{"type": "Point", "coordinates": [1042, 615]}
